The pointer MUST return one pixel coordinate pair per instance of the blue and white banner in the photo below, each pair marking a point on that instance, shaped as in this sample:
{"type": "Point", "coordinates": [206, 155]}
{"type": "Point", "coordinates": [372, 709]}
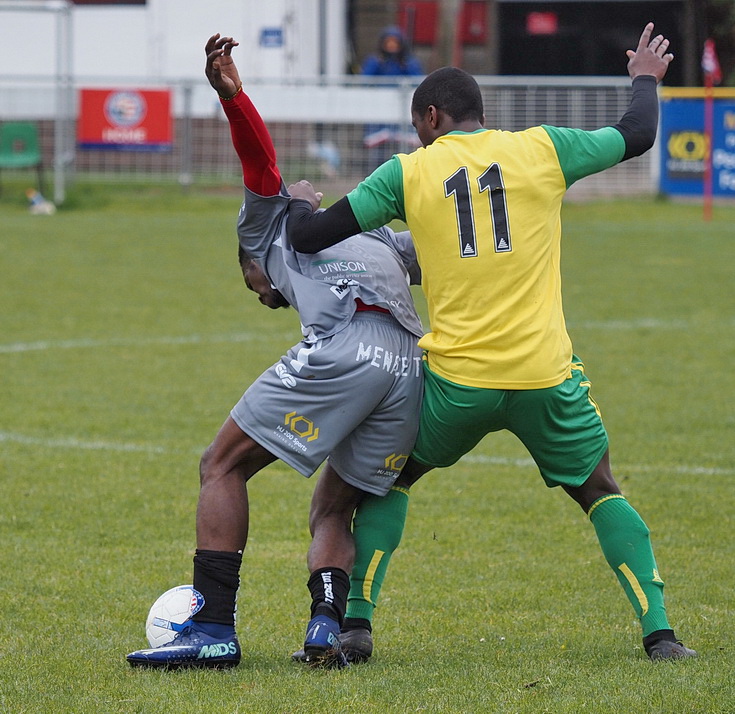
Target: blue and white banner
{"type": "Point", "coordinates": [684, 144]}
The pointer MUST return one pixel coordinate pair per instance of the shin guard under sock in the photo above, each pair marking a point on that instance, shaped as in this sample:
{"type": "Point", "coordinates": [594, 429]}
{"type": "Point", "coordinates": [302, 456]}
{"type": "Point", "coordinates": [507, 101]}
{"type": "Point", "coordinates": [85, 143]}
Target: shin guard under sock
{"type": "Point", "coordinates": [377, 529]}
{"type": "Point", "coordinates": [217, 578]}
{"type": "Point", "coordinates": [626, 544]}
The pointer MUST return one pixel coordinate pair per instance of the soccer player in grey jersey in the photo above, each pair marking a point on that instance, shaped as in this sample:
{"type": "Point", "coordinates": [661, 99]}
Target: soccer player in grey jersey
{"type": "Point", "coordinates": [349, 392]}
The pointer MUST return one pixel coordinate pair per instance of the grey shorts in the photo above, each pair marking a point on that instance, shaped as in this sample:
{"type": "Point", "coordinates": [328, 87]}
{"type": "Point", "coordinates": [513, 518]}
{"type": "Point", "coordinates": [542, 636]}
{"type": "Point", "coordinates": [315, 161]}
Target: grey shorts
{"type": "Point", "coordinates": [354, 397]}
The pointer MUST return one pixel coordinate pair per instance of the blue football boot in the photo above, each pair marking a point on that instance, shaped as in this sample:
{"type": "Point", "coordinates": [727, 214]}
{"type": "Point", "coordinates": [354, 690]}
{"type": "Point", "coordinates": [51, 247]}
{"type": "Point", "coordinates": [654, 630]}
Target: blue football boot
{"type": "Point", "coordinates": [192, 647]}
{"type": "Point", "coordinates": [321, 645]}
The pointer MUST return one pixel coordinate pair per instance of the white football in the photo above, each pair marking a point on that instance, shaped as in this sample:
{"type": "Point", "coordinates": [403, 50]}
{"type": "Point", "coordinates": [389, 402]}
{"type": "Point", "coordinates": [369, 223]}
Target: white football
{"type": "Point", "coordinates": [171, 613]}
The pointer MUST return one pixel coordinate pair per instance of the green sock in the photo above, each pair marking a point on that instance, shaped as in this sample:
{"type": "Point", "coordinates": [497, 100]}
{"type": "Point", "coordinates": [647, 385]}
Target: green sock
{"type": "Point", "coordinates": [626, 544]}
{"type": "Point", "coordinates": [377, 527]}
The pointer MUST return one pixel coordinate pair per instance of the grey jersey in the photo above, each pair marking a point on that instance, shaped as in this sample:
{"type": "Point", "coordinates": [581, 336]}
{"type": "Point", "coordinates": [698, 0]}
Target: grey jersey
{"type": "Point", "coordinates": [376, 266]}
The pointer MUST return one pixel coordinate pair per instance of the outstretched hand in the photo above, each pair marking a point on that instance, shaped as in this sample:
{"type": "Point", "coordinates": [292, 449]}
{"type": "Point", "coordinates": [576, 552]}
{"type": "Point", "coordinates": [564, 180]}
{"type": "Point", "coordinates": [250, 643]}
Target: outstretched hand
{"type": "Point", "coordinates": [304, 190]}
{"type": "Point", "coordinates": [650, 57]}
{"type": "Point", "coordinates": [221, 70]}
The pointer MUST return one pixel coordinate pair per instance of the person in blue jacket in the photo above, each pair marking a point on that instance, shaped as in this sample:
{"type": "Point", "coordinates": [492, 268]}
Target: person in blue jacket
{"type": "Point", "coordinates": [392, 59]}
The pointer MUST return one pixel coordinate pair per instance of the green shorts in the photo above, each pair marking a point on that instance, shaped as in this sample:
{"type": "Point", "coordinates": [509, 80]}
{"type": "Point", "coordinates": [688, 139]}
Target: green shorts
{"type": "Point", "coordinates": [560, 426]}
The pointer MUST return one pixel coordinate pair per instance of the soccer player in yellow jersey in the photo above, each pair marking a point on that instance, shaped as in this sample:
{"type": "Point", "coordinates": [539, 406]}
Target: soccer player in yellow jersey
{"type": "Point", "coordinates": [483, 207]}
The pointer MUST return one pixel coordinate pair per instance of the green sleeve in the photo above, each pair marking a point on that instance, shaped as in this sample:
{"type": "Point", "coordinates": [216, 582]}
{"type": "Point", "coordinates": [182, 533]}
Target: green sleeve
{"type": "Point", "coordinates": [582, 153]}
{"type": "Point", "coordinates": [379, 198]}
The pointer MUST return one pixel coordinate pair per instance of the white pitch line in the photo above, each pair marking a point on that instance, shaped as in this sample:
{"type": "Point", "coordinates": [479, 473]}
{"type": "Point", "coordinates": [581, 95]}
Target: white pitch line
{"type": "Point", "coordinates": [647, 323]}
{"type": "Point", "coordinates": [83, 343]}
{"type": "Point", "coordinates": [80, 444]}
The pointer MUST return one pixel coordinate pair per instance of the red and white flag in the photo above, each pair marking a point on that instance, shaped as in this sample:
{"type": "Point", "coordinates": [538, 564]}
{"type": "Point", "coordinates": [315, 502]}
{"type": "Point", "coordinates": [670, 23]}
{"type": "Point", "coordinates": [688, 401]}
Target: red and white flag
{"type": "Point", "coordinates": [710, 63]}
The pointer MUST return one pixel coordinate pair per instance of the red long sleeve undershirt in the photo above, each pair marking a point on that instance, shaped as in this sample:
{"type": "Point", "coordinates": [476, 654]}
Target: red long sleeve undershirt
{"type": "Point", "coordinates": [254, 146]}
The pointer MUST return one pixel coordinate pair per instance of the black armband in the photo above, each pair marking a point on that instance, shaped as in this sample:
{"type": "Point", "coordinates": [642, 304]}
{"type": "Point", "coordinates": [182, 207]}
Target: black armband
{"type": "Point", "coordinates": [310, 232]}
{"type": "Point", "coordinates": [640, 122]}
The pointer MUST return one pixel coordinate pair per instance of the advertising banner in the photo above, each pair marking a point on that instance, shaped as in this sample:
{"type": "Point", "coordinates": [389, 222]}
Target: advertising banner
{"type": "Point", "coordinates": [684, 142]}
{"type": "Point", "coordinates": [125, 119]}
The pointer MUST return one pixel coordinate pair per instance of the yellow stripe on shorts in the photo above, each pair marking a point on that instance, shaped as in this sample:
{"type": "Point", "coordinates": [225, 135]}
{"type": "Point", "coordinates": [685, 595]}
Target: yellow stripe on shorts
{"type": "Point", "coordinates": [589, 397]}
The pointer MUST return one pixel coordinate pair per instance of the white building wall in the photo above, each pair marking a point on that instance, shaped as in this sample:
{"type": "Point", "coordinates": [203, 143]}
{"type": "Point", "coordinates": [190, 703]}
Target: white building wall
{"type": "Point", "coordinates": [164, 39]}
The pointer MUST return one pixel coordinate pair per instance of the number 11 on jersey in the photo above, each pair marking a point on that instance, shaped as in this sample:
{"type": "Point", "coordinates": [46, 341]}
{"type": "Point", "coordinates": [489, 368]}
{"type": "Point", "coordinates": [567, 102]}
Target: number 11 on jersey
{"type": "Point", "coordinates": [458, 187]}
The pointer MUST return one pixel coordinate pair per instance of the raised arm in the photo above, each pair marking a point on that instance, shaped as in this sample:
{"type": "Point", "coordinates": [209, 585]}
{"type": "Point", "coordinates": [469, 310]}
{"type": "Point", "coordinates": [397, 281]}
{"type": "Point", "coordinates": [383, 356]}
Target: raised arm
{"type": "Point", "coordinates": [250, 135]}
{"type": "Point", "coordinates": [647, 66]}
{"type": "Point", "coordinates": [650, 57]}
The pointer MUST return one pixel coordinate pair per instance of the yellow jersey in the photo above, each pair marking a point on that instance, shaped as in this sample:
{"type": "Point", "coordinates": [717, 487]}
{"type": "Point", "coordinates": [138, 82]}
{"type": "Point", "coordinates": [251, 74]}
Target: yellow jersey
{"type": "Point", "coordinates": [484, 210]}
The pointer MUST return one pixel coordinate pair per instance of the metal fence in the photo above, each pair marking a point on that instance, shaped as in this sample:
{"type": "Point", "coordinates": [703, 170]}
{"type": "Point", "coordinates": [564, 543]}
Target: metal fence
{"type": "Point", "coordinates": [332, 133]}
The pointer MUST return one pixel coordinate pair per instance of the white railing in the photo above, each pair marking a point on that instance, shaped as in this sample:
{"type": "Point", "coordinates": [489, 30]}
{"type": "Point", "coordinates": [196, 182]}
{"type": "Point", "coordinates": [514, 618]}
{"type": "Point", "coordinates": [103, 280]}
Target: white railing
{"type": "Point", "coordinates": [319, 127]}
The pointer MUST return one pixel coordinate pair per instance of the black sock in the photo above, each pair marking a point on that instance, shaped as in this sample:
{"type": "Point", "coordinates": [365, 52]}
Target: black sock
{"type": "Point", "coordinates": [657, 636]}
{"type": "Point", "coordinates": [329, 588]}
{"type": "Point", "coordinates": [356, 623]}
{"type": "Point", "coordinates": [217, 578]}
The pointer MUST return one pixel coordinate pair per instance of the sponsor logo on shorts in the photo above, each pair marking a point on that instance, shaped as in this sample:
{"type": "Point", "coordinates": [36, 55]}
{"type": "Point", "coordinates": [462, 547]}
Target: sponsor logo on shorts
{"type": "Point", "coordinates": [393, 465]}
{"type": "Point", "coordinates": [283, 374]}
{"type": "Point", "coordinates": [301, 426]}
{"type": "Point", "coordinates": [391, 362]}
{"type": "Point", "coordinates": [296, 430]}
{"type": "Point", "coordinates": [396, 461]}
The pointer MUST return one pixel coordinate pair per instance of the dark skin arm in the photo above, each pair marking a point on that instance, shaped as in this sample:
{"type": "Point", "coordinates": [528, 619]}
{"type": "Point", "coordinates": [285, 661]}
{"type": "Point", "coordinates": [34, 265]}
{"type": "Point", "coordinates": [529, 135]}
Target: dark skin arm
{"type": "Point", "coordinates": [303, 190]}
{"type": "Point", "coordinates": [220, 69]}
{"type": "Point", "coordinates": [650, 57]}
{"type": "Point", "coordinates": [647, 65]}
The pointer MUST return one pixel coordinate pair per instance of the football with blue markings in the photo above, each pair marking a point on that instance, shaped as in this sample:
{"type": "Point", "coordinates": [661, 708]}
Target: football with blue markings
{"type": "Point", "coordinates": [171, 613]}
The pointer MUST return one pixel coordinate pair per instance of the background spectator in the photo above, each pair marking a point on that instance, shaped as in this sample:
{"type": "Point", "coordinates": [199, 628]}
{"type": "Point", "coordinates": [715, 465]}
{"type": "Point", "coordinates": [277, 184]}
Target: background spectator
{"type": "Point", "coordinates": [393, 59]}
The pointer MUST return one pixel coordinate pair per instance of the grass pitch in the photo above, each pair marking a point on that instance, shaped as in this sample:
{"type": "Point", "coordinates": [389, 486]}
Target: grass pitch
{"type": "Point", "coordinates": [127, 334]}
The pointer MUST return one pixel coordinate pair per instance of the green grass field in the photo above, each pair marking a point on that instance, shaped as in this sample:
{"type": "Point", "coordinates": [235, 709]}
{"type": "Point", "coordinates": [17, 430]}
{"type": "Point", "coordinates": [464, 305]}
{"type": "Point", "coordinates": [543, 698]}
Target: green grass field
{"type": "Point", "coordinates": [127, 334]}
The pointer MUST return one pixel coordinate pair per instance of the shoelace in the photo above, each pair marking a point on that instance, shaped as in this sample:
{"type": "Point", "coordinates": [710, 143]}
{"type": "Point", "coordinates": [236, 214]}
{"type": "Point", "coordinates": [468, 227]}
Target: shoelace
{"type": "Point", "coordinates": [187, 632]}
